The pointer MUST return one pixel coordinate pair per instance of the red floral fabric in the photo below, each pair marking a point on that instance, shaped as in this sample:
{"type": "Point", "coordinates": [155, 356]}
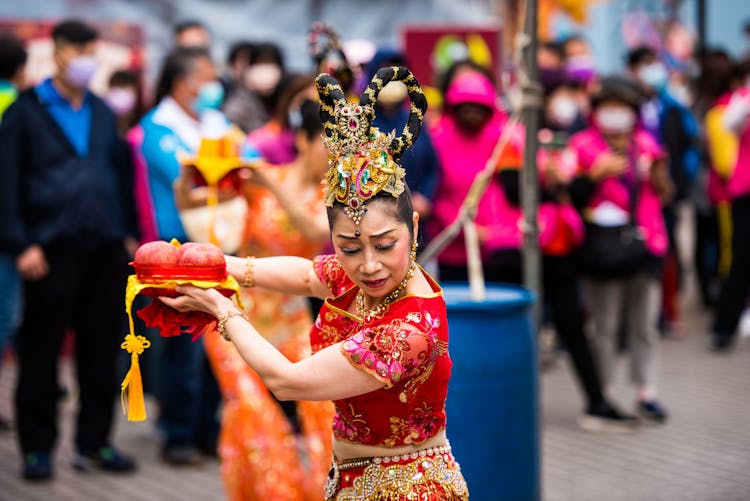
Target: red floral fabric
{"type": "Point", "coordinates": [329, 272]}
{"type": "Point", "coordinates": [406, 348]}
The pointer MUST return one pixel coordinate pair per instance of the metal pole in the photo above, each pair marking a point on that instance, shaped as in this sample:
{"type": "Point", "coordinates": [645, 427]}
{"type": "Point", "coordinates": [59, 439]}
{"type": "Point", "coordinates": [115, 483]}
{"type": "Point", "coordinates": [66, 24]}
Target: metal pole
{"type": "Point", "coordinates": [530, 106]}
{"type": "Point", "coordinates": [701, 18]}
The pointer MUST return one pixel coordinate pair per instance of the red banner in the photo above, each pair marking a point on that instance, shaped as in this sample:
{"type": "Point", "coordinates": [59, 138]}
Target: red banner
{"type": "Point", "coordinates": [432, 49]}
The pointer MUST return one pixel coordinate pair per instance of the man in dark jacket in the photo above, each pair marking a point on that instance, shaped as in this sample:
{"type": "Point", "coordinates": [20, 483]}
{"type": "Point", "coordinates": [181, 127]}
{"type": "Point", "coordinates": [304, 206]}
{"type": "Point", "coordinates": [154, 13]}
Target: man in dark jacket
{"type": "Point", "coordinates": [67, 214]}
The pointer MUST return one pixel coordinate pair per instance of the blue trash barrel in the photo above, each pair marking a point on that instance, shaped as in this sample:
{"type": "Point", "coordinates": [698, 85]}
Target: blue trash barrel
{"type": "Point", "coordinates": [492, 407]}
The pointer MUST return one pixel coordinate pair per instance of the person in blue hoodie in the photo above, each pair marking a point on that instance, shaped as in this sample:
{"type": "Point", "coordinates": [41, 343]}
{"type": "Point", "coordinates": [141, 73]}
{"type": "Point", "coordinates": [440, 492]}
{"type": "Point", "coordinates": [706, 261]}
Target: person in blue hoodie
{"type": "Point", "coordinates": [391, 113]}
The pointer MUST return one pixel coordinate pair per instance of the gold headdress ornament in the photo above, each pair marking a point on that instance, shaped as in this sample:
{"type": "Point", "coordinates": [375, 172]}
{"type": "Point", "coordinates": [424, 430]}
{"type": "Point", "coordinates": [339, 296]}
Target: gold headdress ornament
{"type": "Point", "coordinates": [362, 160]}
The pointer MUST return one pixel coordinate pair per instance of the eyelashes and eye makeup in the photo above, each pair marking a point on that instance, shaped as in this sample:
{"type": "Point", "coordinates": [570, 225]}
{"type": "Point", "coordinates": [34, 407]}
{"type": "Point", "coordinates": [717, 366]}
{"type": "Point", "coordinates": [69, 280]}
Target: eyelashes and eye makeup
{"type": "Point", "coordinates": [385, 247]}
{"type": "Point", "coordinates": [349, 251]}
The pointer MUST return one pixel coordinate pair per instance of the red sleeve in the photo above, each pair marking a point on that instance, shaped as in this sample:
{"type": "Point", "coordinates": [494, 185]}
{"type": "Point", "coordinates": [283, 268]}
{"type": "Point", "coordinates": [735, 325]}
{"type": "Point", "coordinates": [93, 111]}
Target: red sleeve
{"type": "Point", "coordinates": [329, 271]}
{"type": "Point", "coordinates": [393, 352]}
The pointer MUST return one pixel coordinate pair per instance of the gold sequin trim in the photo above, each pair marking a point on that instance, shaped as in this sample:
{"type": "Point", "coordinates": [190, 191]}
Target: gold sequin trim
{"type": "Point", "coordinates": [424, 475]}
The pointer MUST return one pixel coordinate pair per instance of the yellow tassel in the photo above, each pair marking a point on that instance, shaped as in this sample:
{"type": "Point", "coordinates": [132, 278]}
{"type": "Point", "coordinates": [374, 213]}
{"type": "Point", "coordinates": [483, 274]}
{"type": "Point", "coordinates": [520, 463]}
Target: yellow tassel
{"type": "Point", "coordinates": [132, 385]}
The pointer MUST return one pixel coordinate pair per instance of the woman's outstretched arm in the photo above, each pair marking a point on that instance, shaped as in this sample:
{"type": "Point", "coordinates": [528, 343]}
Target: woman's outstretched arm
{"type": "Point", "coordinates": [326, 375]}
{"type": "Point", "coordinates": [288, 274]}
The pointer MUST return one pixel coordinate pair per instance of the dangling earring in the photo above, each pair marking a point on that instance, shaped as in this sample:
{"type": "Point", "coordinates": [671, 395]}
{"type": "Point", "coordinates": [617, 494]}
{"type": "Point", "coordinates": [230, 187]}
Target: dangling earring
{"type": "Point", "coordinates": [413, 253]}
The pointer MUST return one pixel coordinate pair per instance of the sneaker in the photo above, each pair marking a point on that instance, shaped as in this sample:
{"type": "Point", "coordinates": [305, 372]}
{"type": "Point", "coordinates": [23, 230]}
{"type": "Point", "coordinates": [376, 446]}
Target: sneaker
{"type": "Point", "coordinates": [181, 455]}
{"type": "Point", "coordinates": [651, 411]}
{"type": "Point", "coordinates": [37, 466]}
{"type": "Point", "coordinates": [103, 458]}
{"type": "Point", "coordinates": [606, 418]}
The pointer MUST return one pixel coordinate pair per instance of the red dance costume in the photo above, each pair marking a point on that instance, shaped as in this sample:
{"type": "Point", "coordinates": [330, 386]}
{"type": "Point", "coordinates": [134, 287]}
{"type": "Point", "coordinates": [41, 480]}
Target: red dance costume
{"type": "Point", "coordinates": [407, 349]}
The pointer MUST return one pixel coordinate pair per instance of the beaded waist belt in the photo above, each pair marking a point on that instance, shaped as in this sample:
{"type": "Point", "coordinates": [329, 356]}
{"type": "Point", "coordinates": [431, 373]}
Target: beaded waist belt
{"type": "Point", "coordinates": [432, 470]}
{"type": "Point", "coordinates": [348, 464]}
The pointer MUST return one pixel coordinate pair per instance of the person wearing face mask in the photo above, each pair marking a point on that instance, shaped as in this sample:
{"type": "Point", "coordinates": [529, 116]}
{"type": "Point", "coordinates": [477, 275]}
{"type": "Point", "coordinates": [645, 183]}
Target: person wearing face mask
{"type": "Point", "coordinates": [67, 215]}
{"type": "Point", "coordinates": [561, 231]}
{"type": "Point", "coordinates": [124, 99]}
{"type": "Point", "coordinates": [188, 95]}
{"type": "Point", "coordinates": [675, 128]}
{"type": "Point", "coordinates": [243, 105]}
{"type": "Point", "coordinates": [622, 183]}
{"type": "Point", "coordinates": [464, 137]}
{"type": "Point", "coordinates": [264, 74]}
{"type": "Point", "coordinates": [276, 139]}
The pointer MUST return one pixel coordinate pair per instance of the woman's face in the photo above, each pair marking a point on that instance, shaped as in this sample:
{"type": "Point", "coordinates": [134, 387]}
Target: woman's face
{"type": "Point", "coordinates": [379, 258]}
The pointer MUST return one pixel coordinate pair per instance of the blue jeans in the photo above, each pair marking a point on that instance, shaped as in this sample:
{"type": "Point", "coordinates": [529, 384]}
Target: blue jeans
{"type": "Point", "coordinates": [11, 300]}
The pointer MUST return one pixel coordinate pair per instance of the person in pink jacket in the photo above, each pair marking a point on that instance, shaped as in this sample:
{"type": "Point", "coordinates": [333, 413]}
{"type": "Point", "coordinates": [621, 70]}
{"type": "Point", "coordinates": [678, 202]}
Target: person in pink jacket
{"type": "Point", "coordinates": [734, 293]}
{"type": "Point", "coordinates": [464, 137]}
{"type": "Point", "coordinates": [623, 179]}
{"type": "Point", "coordinates": [561, 230]}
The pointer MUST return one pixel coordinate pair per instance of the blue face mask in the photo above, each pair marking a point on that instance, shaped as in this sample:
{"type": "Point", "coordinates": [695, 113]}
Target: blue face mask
{"type": "Point", "coordinates": [210, 97]}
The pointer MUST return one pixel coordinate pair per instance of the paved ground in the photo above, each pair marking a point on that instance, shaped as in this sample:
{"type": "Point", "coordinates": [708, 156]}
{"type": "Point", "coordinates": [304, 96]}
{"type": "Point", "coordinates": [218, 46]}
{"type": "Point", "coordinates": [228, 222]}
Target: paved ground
{"type": "Point", "coordinates": [702, 454]}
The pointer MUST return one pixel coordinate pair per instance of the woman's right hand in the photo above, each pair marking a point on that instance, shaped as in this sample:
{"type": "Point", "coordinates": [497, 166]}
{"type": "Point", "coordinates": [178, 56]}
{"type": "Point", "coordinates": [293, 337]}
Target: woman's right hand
{"type": "Point", "coordinates": [608, 165]}
{"type": "Point", "coordinates": [193, 298]}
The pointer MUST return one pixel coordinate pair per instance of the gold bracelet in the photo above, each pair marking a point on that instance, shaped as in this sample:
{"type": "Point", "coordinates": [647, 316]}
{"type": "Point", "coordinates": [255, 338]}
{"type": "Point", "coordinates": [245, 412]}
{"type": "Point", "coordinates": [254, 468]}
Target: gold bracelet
{"type": "Point", "coordinates": [248, 279]}
{"type": "Point", "coordinates": [221, 325]}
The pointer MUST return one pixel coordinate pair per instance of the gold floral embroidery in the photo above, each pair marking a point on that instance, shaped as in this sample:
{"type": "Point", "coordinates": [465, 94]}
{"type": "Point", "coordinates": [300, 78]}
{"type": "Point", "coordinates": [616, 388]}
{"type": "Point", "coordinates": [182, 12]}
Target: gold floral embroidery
{"type": "Point", "coordinates": [352, 427]}
{"type": "Point", "coordinates": [422, 423]}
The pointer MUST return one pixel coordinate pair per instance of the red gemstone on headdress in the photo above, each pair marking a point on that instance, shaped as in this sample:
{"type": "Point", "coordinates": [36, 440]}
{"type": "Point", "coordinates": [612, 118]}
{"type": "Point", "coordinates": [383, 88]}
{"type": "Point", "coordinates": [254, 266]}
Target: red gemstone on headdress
{"type": "Point", "coordinates": [352, 123]}
{"type": "Point", "coordinates": [353, 203]}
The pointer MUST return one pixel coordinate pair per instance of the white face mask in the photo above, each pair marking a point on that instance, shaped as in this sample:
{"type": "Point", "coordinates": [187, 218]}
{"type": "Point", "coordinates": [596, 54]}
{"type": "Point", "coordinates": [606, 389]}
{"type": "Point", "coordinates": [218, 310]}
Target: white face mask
{"type": "Point", "coordinates": [262, 77]}
{"type": "Point", "coordinates": [120, 100]}
{"type": "Point", "coordinates": [614, 120]}
{"type": "Point", "coordinates": [654, 75]}
{"type": "Point", "coordinates": [563, 110]}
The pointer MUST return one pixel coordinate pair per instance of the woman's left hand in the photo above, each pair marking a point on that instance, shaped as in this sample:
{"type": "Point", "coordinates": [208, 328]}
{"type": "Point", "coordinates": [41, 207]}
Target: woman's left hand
{"type": "Point", "coordinates": [194, 298]}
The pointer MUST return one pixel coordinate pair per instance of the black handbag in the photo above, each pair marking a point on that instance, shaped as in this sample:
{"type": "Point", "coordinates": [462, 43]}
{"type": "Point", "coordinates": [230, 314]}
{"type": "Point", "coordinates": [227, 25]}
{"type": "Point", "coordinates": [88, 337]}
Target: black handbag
{"type": "Point", "coordinates": [610, 252]}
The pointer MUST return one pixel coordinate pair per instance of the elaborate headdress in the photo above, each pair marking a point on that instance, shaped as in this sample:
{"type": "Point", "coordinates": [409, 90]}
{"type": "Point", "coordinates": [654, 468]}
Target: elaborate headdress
{"type": "Point", "coordinates": [364, 161]}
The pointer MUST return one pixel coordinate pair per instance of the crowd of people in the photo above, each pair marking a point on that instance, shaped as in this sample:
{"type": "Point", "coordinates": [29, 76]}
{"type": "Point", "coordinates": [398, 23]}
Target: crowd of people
{"type": "Point", "coordinates": [86, 178]}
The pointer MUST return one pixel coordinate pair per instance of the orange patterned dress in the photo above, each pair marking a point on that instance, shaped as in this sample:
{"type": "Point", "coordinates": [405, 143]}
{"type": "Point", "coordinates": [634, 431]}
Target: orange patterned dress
{"type": "Point", "coordinates": [261, 456]}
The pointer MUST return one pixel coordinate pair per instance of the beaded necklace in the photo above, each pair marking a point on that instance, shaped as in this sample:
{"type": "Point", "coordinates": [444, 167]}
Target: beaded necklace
{"type": "Point", "coordinates": [380, 308]}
